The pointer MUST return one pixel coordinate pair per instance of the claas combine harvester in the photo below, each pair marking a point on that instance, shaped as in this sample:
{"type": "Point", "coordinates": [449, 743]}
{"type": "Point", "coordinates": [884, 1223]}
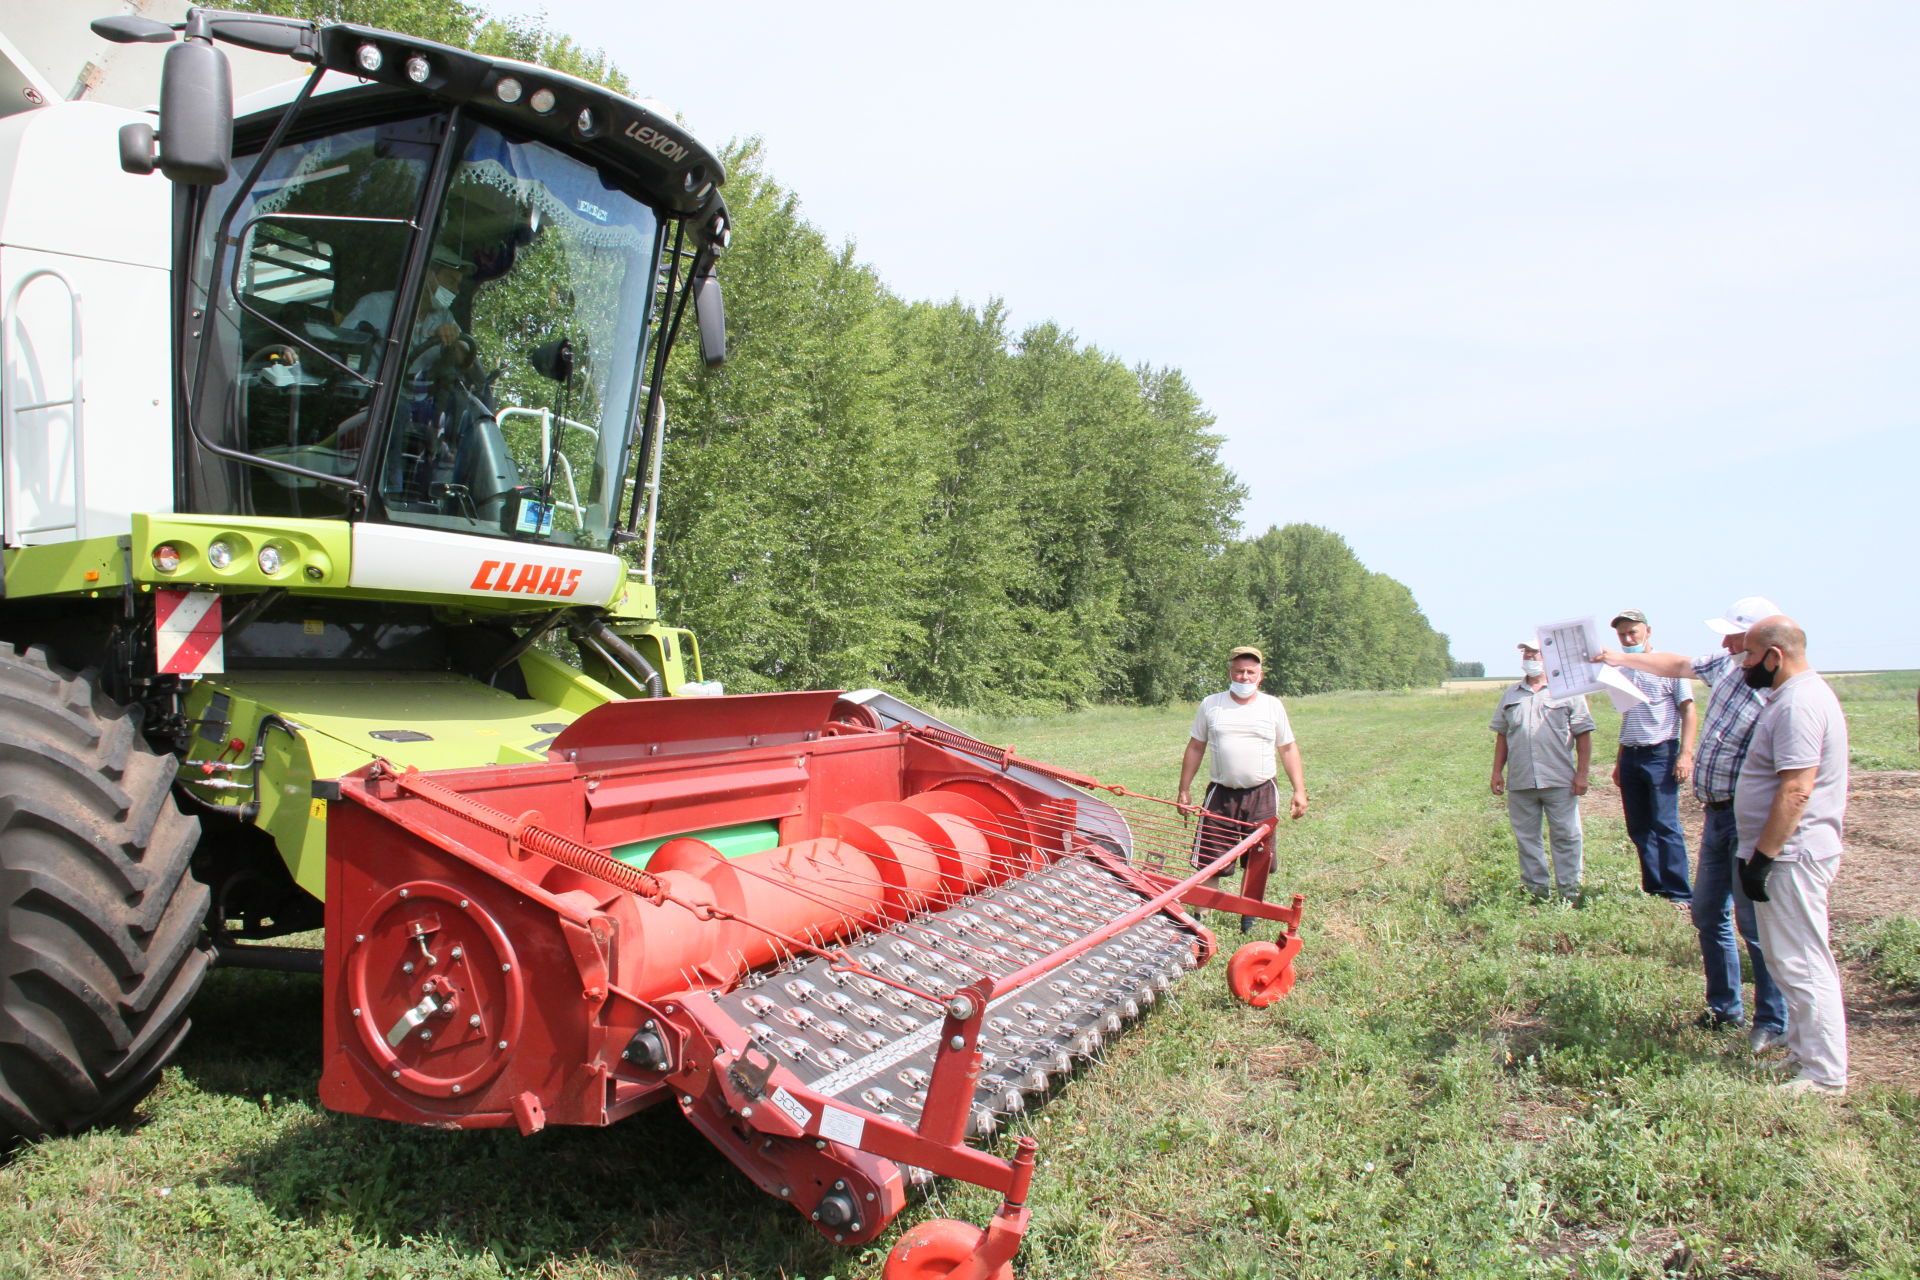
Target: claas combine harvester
{"type": "Point", "coordinates": [337, 610]}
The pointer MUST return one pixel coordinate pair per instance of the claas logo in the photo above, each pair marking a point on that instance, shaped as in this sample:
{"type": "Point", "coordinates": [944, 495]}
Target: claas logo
{"type": "Point", "coordinates": [526, 579]}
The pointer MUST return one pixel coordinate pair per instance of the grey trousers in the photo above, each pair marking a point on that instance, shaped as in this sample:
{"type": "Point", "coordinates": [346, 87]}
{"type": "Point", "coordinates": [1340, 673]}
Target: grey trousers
{"type": "Point", "coordinates": [1561, 809]}
{"type": "Point", "coordinates": [1793, 930]}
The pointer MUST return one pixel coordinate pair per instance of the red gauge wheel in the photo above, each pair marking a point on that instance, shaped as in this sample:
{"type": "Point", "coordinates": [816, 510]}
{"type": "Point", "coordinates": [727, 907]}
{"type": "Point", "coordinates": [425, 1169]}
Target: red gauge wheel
{"type": "Point", "coordinates": [1262, 972]}
{"type": "Point", "coordinates": [936, 1248]}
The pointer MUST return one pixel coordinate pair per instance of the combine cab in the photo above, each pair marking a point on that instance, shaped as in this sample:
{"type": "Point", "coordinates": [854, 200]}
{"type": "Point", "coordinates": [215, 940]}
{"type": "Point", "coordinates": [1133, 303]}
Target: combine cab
{"type": "Point", "coordinates": [339, 610]}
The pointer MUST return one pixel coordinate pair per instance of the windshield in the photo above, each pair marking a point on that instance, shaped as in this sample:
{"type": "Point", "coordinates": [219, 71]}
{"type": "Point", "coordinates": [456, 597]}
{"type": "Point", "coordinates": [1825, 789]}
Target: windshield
{"type": "Point", "coordinates": [515, 365]}
{"type": "Point", "coordinates": [522, 354]}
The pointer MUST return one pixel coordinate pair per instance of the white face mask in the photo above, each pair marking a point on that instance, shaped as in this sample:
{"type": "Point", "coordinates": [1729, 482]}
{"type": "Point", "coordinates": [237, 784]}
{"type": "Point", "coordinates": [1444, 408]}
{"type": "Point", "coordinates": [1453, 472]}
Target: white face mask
{"type": "Point", "coordinates": [1244, 688]}
{"type": "Point", "coordinates": [443, 297]}
{"type": "Point", "coordinates": [1532, 666]}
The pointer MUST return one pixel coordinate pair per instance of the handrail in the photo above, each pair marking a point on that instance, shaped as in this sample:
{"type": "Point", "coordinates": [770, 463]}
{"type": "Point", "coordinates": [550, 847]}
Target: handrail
{"type": "Point", "coordinates": [10, 530]}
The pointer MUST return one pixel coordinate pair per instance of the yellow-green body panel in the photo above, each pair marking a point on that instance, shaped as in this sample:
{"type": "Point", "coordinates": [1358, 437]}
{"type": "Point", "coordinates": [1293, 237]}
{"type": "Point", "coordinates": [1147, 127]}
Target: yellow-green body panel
{"type": "Point", "coordinates": [428, 720]}
{"type": "Point", "coordinates": [90, 565]}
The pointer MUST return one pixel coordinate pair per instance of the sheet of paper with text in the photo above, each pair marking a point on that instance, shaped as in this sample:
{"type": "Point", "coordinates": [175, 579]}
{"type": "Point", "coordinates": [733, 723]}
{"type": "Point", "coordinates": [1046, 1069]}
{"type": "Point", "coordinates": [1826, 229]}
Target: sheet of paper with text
{"type": "Point", "coordinates": [1567, 648]}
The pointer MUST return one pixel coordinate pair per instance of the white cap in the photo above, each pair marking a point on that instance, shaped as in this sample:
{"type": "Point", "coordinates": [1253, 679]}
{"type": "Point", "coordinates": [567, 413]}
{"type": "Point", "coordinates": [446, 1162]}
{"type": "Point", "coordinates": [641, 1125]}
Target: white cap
{"type": "Point", "coordinates": [1528, 643]}
{"type": "Point", "coordinates": [1744, 613]}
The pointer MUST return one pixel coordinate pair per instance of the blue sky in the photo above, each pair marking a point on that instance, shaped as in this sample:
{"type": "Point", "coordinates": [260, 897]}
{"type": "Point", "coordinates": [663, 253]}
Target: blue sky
{"type": "Point", "coordinates": [1548, 309]}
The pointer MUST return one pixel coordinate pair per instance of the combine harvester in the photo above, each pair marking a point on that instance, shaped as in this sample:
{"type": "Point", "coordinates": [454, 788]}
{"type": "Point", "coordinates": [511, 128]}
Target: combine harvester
{"type": "Point", "coordinates": [281, 642]}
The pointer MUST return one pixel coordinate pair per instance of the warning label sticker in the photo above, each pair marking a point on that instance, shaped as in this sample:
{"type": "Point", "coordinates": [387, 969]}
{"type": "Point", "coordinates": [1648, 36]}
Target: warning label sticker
{"type": "Point", "coordinates": [841, 1126]}
{"type": "Point", "coordinates": [796, 1110]}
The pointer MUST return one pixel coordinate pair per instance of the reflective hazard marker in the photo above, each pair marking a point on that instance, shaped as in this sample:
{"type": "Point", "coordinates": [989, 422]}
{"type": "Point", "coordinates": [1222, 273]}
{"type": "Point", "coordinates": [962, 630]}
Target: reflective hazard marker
{"type": "Point", "coordinates": [186, 633]}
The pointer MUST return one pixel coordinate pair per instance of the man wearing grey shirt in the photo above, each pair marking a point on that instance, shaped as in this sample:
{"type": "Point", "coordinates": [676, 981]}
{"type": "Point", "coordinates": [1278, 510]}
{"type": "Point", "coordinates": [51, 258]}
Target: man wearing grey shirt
{"type": "Point", "coordinates": [1543, 746]}
{"type": "Point", "coordinates": [1790, 803]}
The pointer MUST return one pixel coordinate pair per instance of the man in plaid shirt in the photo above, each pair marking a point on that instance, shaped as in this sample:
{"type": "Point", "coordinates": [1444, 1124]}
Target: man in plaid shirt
{"type": "Point", "coordinates": [1718, 901]}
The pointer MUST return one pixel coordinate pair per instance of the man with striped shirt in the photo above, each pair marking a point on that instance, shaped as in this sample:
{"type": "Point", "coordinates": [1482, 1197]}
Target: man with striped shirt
{"type": "Point", "coordinates": [1718, 901]}
{"type": "Point", "coordinates": [1655, 757]}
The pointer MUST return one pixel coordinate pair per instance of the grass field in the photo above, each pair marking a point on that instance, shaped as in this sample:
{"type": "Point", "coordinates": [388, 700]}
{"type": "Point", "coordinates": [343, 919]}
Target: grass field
{"type": "Point", "coordinates": [1463, 1084]}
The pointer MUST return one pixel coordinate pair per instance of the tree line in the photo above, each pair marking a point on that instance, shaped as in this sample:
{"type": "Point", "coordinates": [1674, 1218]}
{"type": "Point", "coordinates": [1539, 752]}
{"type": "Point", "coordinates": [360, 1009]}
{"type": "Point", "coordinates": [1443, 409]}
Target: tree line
{"type": "Point", "coordinates": [916, 495]}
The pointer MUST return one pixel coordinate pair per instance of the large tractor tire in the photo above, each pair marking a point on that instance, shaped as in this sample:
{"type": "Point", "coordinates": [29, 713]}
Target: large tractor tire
{"type": "Point", "coordinates": [100, 922]}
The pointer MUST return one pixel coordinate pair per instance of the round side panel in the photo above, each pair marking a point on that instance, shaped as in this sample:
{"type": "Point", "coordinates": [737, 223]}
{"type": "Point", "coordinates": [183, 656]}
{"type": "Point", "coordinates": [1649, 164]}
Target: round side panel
{"type": "Point", "coordinates": [438, 993]}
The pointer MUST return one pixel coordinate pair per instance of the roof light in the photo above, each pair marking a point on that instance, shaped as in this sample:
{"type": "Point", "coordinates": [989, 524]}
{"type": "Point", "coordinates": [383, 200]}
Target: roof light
{"type": "Point", "coordinates": [541, 101]}
{"type": "Point", "coordinates": [418, 69]}
{"type": "Point", "coordinates": [694, 178]}
{"type": "Point", "coordinates": [585, 122]}
{"type": "Point", "coordinates": [219, 554]}
{"type": "Point", "coordinates": [369, 57]}
{"type": "Point", "coordinates": [166, 558]}
{"type": "Point", "coordinates": [508, 90]}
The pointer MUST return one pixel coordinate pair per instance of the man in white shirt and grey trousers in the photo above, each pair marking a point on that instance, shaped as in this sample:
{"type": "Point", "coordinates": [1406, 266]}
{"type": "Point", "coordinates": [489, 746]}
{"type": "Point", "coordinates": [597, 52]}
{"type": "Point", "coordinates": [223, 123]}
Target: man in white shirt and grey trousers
{"type": "Point", "coordinates": [1248, 734]}
{"type": "Point", "coordinates": [1790, 803]}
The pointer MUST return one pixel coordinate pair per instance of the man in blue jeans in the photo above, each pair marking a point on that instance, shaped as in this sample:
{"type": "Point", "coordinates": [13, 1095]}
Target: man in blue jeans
{"type": "Point", "coordinates": [1718, 900]}
{"type": "Point", "coordinates": [1656, 756]}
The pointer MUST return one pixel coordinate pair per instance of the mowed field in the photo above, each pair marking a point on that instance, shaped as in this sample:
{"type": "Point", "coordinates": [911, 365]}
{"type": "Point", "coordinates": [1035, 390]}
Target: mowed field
{"type": "Point", "coordinates": [1462, 1084]}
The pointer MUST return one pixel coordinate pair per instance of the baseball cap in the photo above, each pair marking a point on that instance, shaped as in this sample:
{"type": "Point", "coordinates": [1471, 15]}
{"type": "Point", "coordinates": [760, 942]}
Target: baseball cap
{"type": "Point", "coordinates": [1743, 613]}
{"type": "Point", "coordinates": [1248, 651]}
{"type": "Point", "coordinates": [1627, 615]}
{"type": "Point", "coordinates": [1529, 643]}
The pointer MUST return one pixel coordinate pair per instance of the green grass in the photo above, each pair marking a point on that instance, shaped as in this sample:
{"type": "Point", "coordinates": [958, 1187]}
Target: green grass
{"type": "Point", "coordinates": [1463, 1084]}
{"type": "Point", "coordinates": [1881, 718]}
{"type": "Point", "coordinates": [1891, 947]}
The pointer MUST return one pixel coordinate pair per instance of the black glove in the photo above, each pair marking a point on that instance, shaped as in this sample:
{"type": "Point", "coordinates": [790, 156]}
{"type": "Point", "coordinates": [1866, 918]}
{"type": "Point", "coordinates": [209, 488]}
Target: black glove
{"type": "Point", "coordinates": [1753, 876]}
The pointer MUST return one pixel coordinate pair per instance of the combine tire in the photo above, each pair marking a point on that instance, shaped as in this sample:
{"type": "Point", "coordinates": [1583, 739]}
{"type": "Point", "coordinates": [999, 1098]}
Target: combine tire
{"type": "Point", "coordinates": [99, 920]}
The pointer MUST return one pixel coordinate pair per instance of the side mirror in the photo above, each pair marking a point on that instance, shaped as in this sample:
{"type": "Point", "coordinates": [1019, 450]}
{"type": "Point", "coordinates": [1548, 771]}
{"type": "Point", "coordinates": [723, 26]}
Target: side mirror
{"type": "Point", "coordinates": [553, 360]}
{"type": "Point", "coordinates": [711, 311]}
{"type": "Point", "coordinates": [196, 114]}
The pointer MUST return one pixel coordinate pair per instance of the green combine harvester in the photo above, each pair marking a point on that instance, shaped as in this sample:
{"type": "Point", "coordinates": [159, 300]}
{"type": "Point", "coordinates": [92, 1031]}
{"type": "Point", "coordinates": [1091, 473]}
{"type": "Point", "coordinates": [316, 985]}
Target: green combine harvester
{"type": "Point", "coordinates": [340, 445]}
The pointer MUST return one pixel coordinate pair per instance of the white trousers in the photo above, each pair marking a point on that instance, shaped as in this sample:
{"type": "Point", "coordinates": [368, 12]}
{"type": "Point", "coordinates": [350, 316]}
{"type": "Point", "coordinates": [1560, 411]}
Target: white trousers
{"type": "Point", "coordinates": [1561, 808]}
{"type": "Point", "coordinates": [1793, 934]}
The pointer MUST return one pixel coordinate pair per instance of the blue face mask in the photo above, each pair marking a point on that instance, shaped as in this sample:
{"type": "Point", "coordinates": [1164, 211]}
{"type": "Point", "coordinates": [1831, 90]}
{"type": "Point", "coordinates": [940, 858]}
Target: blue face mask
{"type": "Point", "coordinates": [1633, 648]}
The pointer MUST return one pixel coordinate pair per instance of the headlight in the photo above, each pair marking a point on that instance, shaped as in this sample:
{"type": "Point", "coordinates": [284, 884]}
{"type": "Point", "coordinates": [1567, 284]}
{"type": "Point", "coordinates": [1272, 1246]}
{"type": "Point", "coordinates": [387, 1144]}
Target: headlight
{"type": "Point", "coordinates": [166, 557]}
{"type": "Point", "coordinates": [219, 555]}
{"type": "Point", "coordinates": [269, 559]}
{"type": "Point", "coordinates": [541, 101]}
{"type": "Point", "coordinates": [418, 69]}
{"type": "Point", "coordinates": [369, 58]}
{"type": "Point", "coordinates": [508, 90]}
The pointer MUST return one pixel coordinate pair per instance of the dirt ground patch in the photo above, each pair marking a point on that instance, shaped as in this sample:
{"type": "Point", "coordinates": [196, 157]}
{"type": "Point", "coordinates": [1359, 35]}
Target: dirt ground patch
{"type": "Point", "coordinates": [1880, 877]}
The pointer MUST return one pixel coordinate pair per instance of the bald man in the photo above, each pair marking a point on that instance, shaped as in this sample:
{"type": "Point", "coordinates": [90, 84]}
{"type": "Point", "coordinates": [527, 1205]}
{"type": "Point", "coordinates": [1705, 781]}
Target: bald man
{"type": "Point", "coordinates": [1790, 803]}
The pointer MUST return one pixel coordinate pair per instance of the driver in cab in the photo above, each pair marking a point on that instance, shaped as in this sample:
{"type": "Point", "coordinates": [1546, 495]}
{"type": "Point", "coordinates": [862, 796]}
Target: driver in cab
{"type": "Point", "coordinates": [436, 334]}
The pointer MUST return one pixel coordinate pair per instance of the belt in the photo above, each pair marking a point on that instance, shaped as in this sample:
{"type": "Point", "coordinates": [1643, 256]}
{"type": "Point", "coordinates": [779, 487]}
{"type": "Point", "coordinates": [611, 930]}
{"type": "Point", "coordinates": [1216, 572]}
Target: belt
{"type": "Point", "coordinates": [1719, 806]}
{"type": "Point", "coordinates": [1646, 746]}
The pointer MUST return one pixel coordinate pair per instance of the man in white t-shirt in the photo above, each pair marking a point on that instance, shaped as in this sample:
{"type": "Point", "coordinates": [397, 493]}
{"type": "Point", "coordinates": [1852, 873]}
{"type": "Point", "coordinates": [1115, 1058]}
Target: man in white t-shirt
{"type": "Point", "coordinates": [1790, 803]}
{"type": "Point", "coordinates": [1248, 735]}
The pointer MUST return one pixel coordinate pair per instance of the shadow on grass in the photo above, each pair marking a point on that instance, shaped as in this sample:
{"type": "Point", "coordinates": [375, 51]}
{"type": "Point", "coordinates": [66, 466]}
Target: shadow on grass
{"type": "Point", "coordinates": [648, 1194]}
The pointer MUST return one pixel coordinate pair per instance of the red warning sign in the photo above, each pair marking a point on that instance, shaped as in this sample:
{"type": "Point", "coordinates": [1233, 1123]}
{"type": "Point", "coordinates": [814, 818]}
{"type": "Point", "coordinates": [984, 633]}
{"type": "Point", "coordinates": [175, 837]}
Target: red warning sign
{"type": "Point", "coordinates": [186, 633]}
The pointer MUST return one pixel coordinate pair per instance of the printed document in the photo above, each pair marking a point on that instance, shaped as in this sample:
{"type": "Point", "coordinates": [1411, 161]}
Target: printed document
{"type": "Point", "coordinates": [1567, 648]}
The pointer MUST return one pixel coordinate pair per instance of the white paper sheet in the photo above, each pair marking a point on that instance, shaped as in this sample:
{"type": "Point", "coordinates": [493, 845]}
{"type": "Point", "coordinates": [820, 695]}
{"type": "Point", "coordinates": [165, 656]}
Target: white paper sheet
{"type": "Point", "coordinates": [1567, 647]}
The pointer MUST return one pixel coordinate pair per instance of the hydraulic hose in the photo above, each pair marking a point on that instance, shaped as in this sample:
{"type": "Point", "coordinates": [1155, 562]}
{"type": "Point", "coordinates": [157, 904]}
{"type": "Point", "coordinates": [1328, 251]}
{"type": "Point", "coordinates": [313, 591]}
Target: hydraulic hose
{"type": "Point", "coordinates": [622, 656]}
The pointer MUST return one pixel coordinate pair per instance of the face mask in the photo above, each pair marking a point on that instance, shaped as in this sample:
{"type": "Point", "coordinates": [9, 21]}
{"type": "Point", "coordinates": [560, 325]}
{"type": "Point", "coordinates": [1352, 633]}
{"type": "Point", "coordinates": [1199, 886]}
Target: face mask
{"type": "Point", "coordinates": [443, 297]}
{"type": "Point", "coordinates": [1758, 676]}
{"type": "Point", "coordinates": [1633, 648]}
{"type": "Point", "coordinates": [1244, 688]}
{"type": "Point", "coordinates": [1532, 666]}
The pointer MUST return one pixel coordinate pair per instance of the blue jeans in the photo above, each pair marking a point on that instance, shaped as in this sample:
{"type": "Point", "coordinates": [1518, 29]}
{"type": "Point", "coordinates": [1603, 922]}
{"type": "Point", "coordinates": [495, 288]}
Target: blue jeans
{"type": "Point", "coordinates": [1718, 902]}
{"type": "Point", "coordinates": [1650, 794]}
